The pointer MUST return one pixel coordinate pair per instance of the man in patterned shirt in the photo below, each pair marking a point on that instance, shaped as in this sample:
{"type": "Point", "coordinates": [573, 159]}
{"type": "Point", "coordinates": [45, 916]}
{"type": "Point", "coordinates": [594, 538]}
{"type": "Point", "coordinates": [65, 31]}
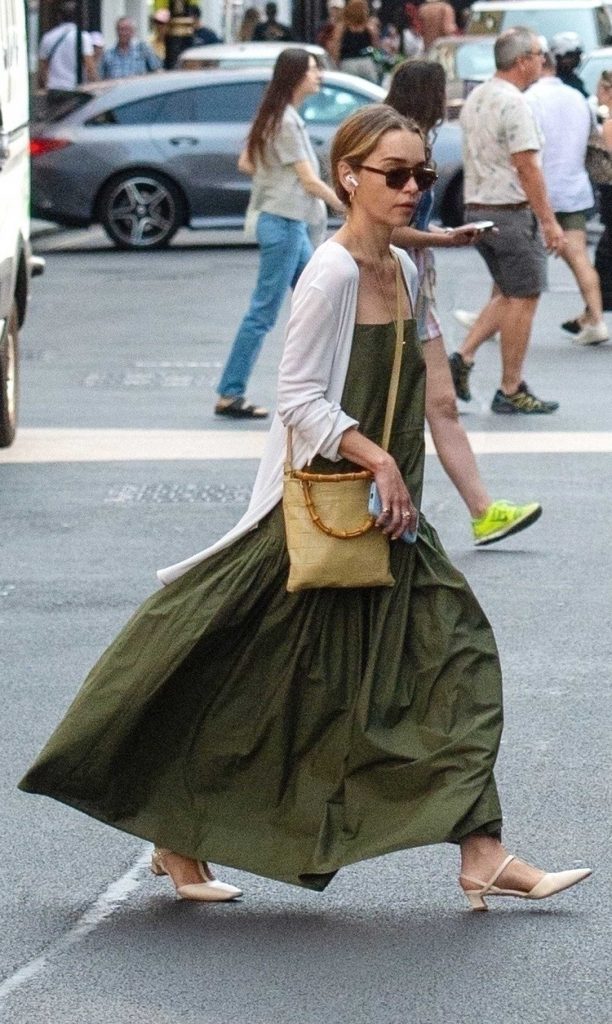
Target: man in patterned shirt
{"type": "Point", "coordinates": [504, 183]}
{"type": "Point", "coordinates": [129, 56]}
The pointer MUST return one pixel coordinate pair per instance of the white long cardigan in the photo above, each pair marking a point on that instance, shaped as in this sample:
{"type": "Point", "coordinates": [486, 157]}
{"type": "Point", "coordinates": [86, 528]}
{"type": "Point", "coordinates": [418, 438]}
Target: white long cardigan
{"type": "Point", "coordinates": [310, 383]}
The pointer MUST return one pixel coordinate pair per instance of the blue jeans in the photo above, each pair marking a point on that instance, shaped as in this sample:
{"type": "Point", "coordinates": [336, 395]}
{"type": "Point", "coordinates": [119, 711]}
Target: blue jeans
{"type": "Point", "coordinates": [285, 249]}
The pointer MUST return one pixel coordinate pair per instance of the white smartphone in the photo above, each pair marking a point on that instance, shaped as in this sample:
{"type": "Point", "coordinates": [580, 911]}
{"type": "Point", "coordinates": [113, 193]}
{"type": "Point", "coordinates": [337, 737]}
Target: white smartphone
{"type": "Point", "coordinates": [477, 225]}
{"type": "Point", "coordinates": [375, 508]}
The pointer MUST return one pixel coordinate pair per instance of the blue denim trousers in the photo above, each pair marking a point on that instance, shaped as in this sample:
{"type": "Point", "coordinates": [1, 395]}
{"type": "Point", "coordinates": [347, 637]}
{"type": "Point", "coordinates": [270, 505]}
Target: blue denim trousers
{"type": "Point", "coordinates": [285, 249]}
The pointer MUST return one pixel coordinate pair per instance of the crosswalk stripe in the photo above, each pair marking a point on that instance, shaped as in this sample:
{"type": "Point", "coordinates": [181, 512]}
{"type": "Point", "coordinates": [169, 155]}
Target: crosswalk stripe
{"type": "Point", "coordinates": [48, 444]}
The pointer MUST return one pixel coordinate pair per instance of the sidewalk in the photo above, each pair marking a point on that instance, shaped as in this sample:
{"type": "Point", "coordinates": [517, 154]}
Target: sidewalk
{"type": "Point", "coordinates": [40, 228]}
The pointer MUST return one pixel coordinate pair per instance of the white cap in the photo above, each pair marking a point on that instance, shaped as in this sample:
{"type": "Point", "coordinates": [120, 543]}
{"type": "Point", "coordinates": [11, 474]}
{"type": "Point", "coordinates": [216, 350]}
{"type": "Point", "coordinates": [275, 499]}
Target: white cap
{"type": "Point", "coordinates": [97, 38]}
{"type": "Point", "coordinates": [564, 43]}
{"type": "Point", "coordinates": [340, 4]}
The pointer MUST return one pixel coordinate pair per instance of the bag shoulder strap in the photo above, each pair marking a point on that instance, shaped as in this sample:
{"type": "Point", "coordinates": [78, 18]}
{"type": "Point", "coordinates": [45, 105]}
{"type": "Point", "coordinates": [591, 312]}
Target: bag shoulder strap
{"type": "Point", "coordinates": [57, 44]}
{"type": "Point", "coordinates": [397, 359]}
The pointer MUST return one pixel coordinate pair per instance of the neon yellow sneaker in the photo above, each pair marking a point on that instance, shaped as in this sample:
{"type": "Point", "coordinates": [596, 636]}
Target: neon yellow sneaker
{"type": "Point", "coordinates": [501, 519]}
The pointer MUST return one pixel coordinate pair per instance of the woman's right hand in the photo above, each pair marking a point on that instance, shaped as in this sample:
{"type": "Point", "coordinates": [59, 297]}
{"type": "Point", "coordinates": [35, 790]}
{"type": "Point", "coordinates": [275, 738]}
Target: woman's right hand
{"type": "Point", "coordinates": [398, 510]}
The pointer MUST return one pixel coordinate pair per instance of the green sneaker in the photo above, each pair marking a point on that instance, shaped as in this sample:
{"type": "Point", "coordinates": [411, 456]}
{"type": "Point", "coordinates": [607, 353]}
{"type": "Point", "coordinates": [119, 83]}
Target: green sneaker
{"type": "Point", "coordinates": [501, 519]}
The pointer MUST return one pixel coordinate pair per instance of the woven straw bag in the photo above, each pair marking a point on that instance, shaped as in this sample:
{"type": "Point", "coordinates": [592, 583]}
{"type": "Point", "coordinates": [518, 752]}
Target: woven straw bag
{"type": "Point", "coordinates": [331, 537]}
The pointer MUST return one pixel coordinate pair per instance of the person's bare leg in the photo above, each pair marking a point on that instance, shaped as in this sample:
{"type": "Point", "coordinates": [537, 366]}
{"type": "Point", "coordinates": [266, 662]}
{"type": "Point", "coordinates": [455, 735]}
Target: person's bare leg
{"type": "Point", "coordinates": [488, 322]}
{"type": "Point", "coordinates": [183, 870]}
{"type": "Point", "coordinates": [449, 437]}
{"type": "Point", "coordinates": [481, 855]}
{"type": "Point", "coordinates": [576, 256]}
{"type": "Point", "coordinates": [515, 329]}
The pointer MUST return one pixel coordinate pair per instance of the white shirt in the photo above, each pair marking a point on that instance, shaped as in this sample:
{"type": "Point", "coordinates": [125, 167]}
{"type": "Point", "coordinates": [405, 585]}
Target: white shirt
{"type": "Point", "coordinates": [62, 63]}
{"type": "Point", "coordinates": [497, 122]}
{"type": "Point", "coordinates": [311, 380]}
{"type": "Point", "coordinates": [564, 118]}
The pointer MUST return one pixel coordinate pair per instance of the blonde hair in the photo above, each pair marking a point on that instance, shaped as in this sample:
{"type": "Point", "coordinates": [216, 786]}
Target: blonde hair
{"type": "Point", "coordinates": [359, 136]}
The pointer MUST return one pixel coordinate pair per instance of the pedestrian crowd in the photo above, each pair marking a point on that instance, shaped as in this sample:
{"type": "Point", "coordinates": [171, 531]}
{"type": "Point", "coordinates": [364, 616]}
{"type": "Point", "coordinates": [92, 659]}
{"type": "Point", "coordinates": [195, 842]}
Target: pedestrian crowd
{"type": "Point", "coordinates": [358, 39]}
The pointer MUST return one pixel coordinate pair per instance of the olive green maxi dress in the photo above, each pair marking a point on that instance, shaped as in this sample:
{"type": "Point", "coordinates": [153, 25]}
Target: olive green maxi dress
{"type": "Point", "coordinates": [291, 734]}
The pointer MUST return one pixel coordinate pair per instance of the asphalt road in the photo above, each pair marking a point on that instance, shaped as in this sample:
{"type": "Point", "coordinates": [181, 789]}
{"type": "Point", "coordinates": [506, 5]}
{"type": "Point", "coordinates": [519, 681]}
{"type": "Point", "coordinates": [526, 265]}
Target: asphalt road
{"type": "Point", "coordinates": [122, 342]}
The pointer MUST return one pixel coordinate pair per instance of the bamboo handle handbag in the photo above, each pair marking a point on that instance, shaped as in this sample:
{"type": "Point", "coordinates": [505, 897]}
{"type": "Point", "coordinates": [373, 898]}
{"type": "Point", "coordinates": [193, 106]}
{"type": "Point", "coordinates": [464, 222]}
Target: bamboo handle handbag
{"type": "Point", "coordinates": [331, 538]}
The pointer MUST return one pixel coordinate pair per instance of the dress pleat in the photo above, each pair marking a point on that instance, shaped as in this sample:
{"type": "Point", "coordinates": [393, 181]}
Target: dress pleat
{"type": "Point", "coordinates": [291, 734]}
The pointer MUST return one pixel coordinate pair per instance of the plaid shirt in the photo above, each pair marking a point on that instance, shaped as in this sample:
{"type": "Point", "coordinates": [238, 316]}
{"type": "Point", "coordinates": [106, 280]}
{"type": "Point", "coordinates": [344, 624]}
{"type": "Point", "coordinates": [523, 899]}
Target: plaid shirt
{"type": "Point", "coordinates": [138, 60]}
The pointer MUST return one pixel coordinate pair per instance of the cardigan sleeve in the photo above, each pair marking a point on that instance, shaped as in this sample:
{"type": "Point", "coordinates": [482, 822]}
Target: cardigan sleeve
{"type": "Point", "coordinates": [314, 328]}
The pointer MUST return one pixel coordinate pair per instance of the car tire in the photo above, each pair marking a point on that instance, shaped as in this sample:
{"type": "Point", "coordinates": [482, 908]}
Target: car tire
{"type": "Point", "coordinates": [9, 378]}
{"type": "Point", "coordinates": [141, 210]}
{"type": "Point", "coordinates": [451, 209]}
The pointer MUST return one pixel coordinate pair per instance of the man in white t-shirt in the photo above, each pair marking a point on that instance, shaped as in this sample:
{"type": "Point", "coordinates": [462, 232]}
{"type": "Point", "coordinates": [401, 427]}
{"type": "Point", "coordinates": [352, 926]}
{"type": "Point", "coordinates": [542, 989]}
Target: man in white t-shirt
{"type": "Point", "coordinates": [504, 183]}
{"type": "Point", "coordinates": [57, 53]}
{"type": "Point", "coordinates": [565, 121]}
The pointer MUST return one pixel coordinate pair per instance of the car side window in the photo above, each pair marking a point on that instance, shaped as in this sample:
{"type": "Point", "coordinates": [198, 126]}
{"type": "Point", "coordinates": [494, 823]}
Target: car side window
{"type": "Point", "coordinates": [208, 104]}
{"type": "Point", "coordinates": [331, 105]}
{"type": "Point", "coordinates": [144, 111]}
{"type": "Point", "coordinates": [234, 103]}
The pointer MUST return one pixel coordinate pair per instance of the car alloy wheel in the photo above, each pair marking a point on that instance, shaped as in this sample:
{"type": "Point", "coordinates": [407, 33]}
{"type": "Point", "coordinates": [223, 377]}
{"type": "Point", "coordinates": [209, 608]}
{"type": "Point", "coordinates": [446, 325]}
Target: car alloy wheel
{"type": "Point", "coordinates": [9, 378]}
{"type": "Point", "coordinates": [141, 211]}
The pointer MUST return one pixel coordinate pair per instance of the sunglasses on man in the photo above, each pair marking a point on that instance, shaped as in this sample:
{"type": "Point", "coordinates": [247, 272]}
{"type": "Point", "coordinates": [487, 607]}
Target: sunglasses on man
{"type": "Point", "coordinates": [424, 176]}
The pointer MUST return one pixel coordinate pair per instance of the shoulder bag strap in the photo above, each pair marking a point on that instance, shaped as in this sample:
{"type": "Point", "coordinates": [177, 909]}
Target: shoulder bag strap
{"type": "Point", "coordinates": [397, 360]}
{"type": "Point", "coordinates": [57, 44]}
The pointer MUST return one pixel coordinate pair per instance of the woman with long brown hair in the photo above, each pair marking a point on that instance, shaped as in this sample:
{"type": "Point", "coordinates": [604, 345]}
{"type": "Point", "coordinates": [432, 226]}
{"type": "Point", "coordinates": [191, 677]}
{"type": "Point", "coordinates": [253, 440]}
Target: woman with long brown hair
{"type": "Point", "coordinates": [288, 196]}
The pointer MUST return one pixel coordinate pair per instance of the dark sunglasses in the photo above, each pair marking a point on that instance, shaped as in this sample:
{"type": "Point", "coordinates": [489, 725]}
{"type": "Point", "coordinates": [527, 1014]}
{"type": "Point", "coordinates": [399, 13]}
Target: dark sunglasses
{"type": "Point", "coordinates": [424, 176]}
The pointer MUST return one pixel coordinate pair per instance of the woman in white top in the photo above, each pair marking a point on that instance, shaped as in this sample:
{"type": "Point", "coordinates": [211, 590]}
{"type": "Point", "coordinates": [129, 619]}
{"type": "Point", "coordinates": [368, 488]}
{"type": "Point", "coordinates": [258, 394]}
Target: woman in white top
{"type": "Point", "coordinates": [290, 734]}
{"type": "Point", "coordinates": [288, 196]}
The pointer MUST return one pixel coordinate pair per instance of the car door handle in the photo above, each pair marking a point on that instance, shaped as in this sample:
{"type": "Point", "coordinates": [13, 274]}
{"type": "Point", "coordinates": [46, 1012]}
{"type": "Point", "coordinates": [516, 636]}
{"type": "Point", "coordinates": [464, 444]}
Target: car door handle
{"type": "Point", "coordinates": [184, 140]}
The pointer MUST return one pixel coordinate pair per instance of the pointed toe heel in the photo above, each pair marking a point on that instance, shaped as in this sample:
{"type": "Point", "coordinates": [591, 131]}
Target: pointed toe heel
{"type": "Point", "coordinates": [209, 890]}
{"type": "Point", "coordinates": [550, 884]}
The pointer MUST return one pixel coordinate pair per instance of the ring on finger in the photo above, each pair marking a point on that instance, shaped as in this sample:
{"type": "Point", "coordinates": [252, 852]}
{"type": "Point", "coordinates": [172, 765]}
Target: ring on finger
{"type": "Point", "coordinates": [406, 515]}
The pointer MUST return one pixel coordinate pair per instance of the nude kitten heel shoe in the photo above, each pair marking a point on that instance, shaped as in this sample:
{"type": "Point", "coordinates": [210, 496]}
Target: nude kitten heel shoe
{"type": "Point", "coordinates": [552, 883]}
{"type": "Point", "coordinates": [209, 890]}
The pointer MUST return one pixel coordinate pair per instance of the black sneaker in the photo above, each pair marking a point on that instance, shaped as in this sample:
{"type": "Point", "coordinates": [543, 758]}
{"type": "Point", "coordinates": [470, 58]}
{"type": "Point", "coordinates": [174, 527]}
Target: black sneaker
{"type": "Point", "coordinates": [460, 372]}
{"type": "Point", "coordinates": [522, 401]}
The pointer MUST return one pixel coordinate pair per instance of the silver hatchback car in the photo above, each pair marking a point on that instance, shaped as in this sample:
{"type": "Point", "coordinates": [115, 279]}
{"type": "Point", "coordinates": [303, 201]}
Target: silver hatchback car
{"type": "Point", "coordinates": [146, 156]}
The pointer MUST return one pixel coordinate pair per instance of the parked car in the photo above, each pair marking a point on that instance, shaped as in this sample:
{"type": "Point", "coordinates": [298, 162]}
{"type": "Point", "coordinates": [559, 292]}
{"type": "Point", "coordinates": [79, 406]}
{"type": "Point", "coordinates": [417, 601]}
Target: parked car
{"type": "Point", "coordinates": [591, 19]}
{"type": "Point", "coordinates": [242, 55]}
{"type": "Point", "coordinates": [14, 201]}
{"type": "Point", "coordinates": [146, 156]}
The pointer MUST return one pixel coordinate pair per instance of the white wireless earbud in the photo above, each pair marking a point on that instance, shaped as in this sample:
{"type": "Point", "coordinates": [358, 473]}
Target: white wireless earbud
{"type": "Point", "coordinates": [352, 180]}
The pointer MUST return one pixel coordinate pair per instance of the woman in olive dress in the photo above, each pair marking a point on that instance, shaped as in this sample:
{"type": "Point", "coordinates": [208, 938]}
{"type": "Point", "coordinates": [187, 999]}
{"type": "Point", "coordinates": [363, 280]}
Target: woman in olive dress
{"type": "Point", "coordinates": [290, 734]}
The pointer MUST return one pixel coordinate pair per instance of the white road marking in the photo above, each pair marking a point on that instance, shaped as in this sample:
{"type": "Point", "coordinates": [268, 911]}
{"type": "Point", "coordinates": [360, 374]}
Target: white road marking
{"type": "Point", "coordinates": [48, 444]}
{"type": "Point", "coordinates": [105, 905]}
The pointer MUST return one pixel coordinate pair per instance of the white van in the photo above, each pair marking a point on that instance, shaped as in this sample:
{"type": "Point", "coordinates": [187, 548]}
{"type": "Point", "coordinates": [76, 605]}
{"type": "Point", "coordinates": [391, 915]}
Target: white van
{"type": "Point", "coordinates": [14, 205]}
{"type": "Point", "coordinates": [591, 19]}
